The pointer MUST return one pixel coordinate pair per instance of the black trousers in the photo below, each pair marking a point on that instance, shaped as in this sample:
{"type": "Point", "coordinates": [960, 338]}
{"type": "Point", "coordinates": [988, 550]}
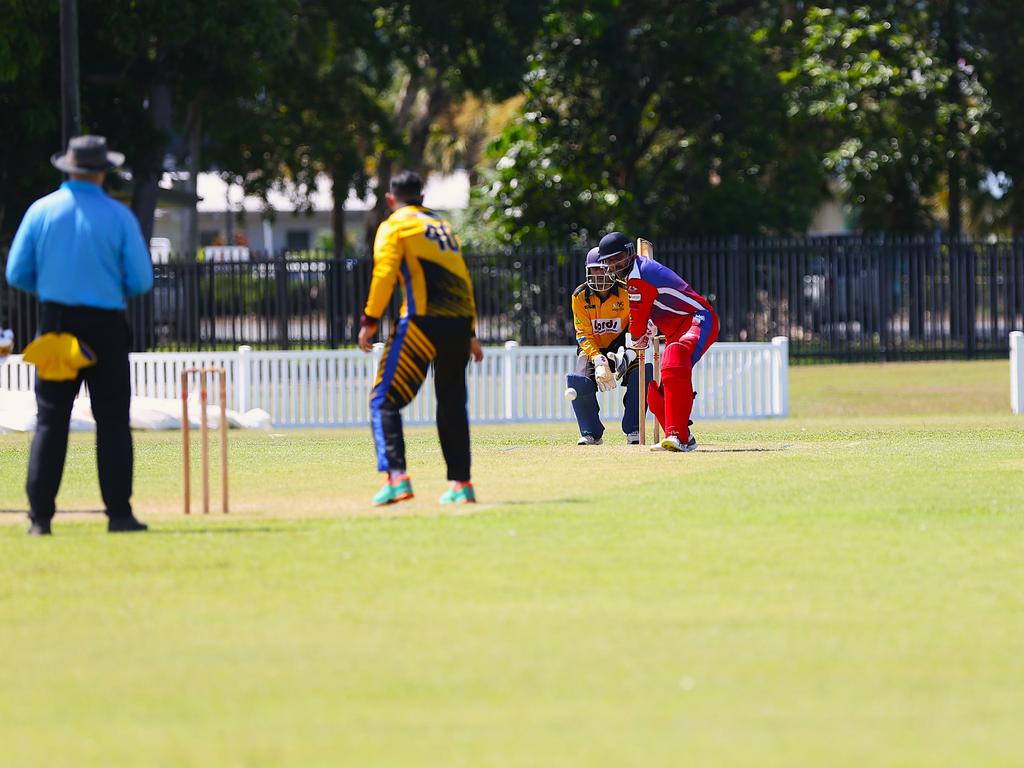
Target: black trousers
{"type": "Point", "coordinates": [106, 332]}
{"type": "Point", "coordinates": [415, 343]}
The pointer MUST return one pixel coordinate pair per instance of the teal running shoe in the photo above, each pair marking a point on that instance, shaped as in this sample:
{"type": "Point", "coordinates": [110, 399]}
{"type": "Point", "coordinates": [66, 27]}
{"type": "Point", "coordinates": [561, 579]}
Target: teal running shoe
{"type": "Point", "coordinates": [461, 495]}
{"type": "Point", "coordinates": [394, 491]}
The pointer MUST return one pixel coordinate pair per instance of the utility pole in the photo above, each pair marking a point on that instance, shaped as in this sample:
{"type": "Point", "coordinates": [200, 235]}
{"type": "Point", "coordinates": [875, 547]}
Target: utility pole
{"type": "Point", "coordinates": [71, 112]}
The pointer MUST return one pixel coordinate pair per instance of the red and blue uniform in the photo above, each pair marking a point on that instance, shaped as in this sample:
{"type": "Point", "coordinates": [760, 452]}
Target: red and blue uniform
{"type": "Point", "coordinates": [689, 325]}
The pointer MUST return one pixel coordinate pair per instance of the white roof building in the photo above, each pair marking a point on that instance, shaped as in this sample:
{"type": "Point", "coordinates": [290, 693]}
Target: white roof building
{"type": "Point", "coordinates": [445, 192]}
{"type": "Point", "coordinates": [227, 216]}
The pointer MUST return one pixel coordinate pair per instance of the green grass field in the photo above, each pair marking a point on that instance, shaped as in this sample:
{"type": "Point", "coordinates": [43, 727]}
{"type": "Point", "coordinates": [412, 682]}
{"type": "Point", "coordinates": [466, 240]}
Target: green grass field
{"type": "Point", "coordinates": [840, 588]}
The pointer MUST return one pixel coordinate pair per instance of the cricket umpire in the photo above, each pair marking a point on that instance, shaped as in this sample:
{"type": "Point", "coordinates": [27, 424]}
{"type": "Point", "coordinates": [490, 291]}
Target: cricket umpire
{"type": "Point", "coordinates": [82, 254]}
{"type": "Point", "coordinates": [437, 325]}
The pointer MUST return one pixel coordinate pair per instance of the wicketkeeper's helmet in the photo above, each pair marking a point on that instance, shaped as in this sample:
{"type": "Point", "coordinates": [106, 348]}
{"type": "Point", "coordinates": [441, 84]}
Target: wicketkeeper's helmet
{"type": "Point", "coordinates": [599, 276]}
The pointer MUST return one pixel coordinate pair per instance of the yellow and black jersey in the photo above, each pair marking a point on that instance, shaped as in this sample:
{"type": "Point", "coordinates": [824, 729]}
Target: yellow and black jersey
{"type": "Point", "coordinates": [417, 247]}
{"type": "Point", "coordinates": [600, 324]}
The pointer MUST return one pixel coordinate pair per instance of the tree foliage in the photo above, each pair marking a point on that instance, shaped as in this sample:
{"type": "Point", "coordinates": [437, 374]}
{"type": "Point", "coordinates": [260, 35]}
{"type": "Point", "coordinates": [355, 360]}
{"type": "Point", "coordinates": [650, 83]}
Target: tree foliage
{"type": "Point", "coordinates": [997, 28]}
{"type": "Point", "coordinates": [709, 117]}
{"type": "Point", "coordinates": [29, 91]}
{"type": "Point", "coordinates": [653, 116]}
{"type": "Point", "coordinates": [320, 114]}
{"type": "Point", "coordinates": [889, 104]}
{"type": "Point", "coordinates": [447, 55]}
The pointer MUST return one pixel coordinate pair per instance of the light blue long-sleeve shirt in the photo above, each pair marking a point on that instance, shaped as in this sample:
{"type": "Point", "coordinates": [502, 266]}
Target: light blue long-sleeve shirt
{"type": "Point", "coordinates": [80, 247]}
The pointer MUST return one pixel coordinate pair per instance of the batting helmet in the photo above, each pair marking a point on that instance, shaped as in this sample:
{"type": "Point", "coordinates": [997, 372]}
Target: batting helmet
{"type": "Point", "coordinates": [618, 253]}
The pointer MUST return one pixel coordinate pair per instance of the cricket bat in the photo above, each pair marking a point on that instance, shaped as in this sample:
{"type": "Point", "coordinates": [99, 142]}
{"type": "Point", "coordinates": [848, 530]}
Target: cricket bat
{"type": "Point", "coordinates": [644, 248]}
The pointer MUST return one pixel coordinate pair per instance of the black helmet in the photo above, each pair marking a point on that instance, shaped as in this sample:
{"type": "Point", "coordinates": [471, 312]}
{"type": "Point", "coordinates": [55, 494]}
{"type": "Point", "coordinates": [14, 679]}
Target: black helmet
{"type": "Point", "coordinates": [617, 251]}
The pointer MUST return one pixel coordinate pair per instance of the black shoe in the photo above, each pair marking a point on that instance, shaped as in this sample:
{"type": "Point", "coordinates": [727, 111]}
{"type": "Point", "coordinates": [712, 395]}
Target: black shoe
{"type": "Point", "coordinates": [125, 525]}
{"type": "Point", "coordinates": [40, 528]}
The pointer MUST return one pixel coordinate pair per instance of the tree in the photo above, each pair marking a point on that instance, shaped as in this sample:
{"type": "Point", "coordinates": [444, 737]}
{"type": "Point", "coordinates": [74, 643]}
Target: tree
{"type": "Point", "coordinates": [319, 114]}
{"type": "Point", "coordinates": [893, 104]}
{"type": "Point", "coordinates": [29, 107]}
{"type": "Point", "coordinates": [443, 51]}
{"type": "Point", "coordinates": [995, 33]}
{"type": "Point", "coordinates": [191, 67]}
{"type": "Point", "coordinates": [156, 78]}
{"type": "Point", "coordinates": [459, 137]}
{"type": "Point", "coordinates": [658, 117]}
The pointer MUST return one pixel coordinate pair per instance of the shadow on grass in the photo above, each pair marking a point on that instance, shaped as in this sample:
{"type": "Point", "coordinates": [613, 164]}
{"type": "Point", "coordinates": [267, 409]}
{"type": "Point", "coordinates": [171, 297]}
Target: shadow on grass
{"type": "Point", "coordinates": [523, 502]}
{"type": "Point", "coordinates": [59, 512]}
{"type": "Point", "coordinates": [217, 529]}
{"type": "Point", "coordinates": [711, 449]}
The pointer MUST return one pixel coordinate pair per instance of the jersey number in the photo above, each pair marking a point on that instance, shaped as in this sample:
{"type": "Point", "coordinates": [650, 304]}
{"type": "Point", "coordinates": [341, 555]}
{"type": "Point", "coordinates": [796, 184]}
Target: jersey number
{"type": "Point", "coordinates": [442, 235]}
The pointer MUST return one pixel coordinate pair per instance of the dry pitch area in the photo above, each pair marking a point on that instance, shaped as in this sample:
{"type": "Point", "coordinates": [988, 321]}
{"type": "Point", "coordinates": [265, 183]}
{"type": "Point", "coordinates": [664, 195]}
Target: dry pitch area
{"type": "Point", "coordinates": [837, 588]}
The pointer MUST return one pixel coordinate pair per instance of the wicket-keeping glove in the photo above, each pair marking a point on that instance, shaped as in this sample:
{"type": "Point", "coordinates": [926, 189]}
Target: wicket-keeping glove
{"type": "Point", "coordinates": [622, 359]}
{"type": "Point", "coordinates": [603, 374]}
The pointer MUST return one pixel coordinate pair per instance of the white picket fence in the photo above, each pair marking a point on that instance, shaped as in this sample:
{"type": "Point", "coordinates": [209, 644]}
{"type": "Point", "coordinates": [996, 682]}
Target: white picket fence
{"type": "Point", "coordinates": [1017, 372]}
{"type": "Point", "coordinates": [329, 388]}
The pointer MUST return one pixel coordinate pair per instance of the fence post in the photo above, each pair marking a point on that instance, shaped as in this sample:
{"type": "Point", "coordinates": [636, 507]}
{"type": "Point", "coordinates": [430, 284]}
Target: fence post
{"type": "Point", "coordinates": [525, 297]}
{"type": "Point", "coordinates": [281, 298]}
{"type": "Point", "coordinates": [1017, 372]}
{"type": "Point", "coordinates": [780, 372]}
{"type": "Point", "coordinates": [509, 374]}
{"type": "Point", "coordinates": [331, 270]}
{"type": "Point", "coordinates": [192, 296]}
{"type": "Point", "coordinates": [971, 289]}
{"type": "Point", "coordinates": [881, 257]}
{"type": "Point", "coordinates": [734, 295]}
{"type": "Point", "coordinates": [242, 383]}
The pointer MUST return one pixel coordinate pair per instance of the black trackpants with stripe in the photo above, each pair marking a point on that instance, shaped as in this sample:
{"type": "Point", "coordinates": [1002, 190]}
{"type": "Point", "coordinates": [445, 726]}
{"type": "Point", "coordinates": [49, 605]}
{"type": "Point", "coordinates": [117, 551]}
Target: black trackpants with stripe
{"type": "Point", "coordinates": [415, 344]}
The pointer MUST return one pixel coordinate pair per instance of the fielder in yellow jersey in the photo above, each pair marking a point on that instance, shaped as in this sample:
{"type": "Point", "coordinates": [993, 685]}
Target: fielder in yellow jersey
{"type": "Point", "coordinates": [416, 248]}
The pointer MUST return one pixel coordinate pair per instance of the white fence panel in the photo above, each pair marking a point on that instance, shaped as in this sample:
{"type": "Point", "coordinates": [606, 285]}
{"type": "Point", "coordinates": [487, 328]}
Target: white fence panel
{"type": "Point", "coordinates": [17, 376]}
{"type": "Point", "coordinates": [158, 374]}
{"type": "Point", "coordinates": [321, 388]}
{"type": "Point", "coordinates": [1017, 372]}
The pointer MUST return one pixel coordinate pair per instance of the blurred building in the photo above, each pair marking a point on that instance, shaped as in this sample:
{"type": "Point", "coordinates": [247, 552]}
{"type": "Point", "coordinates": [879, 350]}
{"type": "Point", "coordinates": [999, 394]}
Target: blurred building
{"type": "Point", "coordinates": [227, 217]}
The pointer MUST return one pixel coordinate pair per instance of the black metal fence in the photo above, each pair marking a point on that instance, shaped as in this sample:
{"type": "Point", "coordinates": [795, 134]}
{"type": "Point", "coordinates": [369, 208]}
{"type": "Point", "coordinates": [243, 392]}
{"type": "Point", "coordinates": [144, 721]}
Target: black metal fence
{"type": "Point", "coordinates": [840, 298]}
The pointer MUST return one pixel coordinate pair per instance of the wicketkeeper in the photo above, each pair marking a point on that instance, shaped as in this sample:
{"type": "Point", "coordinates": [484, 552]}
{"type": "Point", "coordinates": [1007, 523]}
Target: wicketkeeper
{"type": "Point", "coordinates": [689, 324]}
{"type": "Point", "coordinates": [600, 313]}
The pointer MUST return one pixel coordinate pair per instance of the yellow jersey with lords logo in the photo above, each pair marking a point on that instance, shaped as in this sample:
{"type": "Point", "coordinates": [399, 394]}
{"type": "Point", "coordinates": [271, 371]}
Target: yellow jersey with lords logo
{"type": "Point", "coordinates": [600, 324]}
{"type": "Point", "coordinates": [417, 247]}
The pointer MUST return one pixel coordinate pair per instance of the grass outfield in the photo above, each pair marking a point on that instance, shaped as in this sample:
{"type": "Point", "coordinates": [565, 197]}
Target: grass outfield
{"type": "Point", "coordinates": [840, 588]}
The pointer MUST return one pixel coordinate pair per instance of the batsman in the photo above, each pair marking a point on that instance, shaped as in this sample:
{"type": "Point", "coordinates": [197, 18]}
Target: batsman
{"type": "Point", "coordinates": [600, 313]}
{"type": "Point", "coordinates": [658, 295]}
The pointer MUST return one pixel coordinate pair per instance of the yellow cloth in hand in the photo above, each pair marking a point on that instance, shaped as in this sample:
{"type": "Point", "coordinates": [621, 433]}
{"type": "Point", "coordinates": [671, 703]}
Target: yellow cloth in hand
{"type": "Point", "coordinates": [58, 356]}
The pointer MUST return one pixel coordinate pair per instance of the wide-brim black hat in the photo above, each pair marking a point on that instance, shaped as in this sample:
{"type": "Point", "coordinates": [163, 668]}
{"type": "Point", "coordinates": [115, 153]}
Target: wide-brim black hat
{"type": "Point", "coordinates": [87, 154]}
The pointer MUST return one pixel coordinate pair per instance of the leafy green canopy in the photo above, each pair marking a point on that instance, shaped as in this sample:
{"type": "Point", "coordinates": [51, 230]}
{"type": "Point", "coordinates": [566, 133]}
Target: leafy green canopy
{"type": "Point", "coordinates": [659, 117]}
{"type": "Point", "coordinates": [890, 94]}
{"type": "Point", "coordinates": [29, 91]}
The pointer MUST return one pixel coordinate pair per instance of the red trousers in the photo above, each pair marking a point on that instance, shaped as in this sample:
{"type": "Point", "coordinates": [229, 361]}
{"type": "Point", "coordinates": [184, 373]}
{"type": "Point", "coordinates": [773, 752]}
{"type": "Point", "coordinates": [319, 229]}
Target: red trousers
{"type": "Point", "coordinates": [672, 401]}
